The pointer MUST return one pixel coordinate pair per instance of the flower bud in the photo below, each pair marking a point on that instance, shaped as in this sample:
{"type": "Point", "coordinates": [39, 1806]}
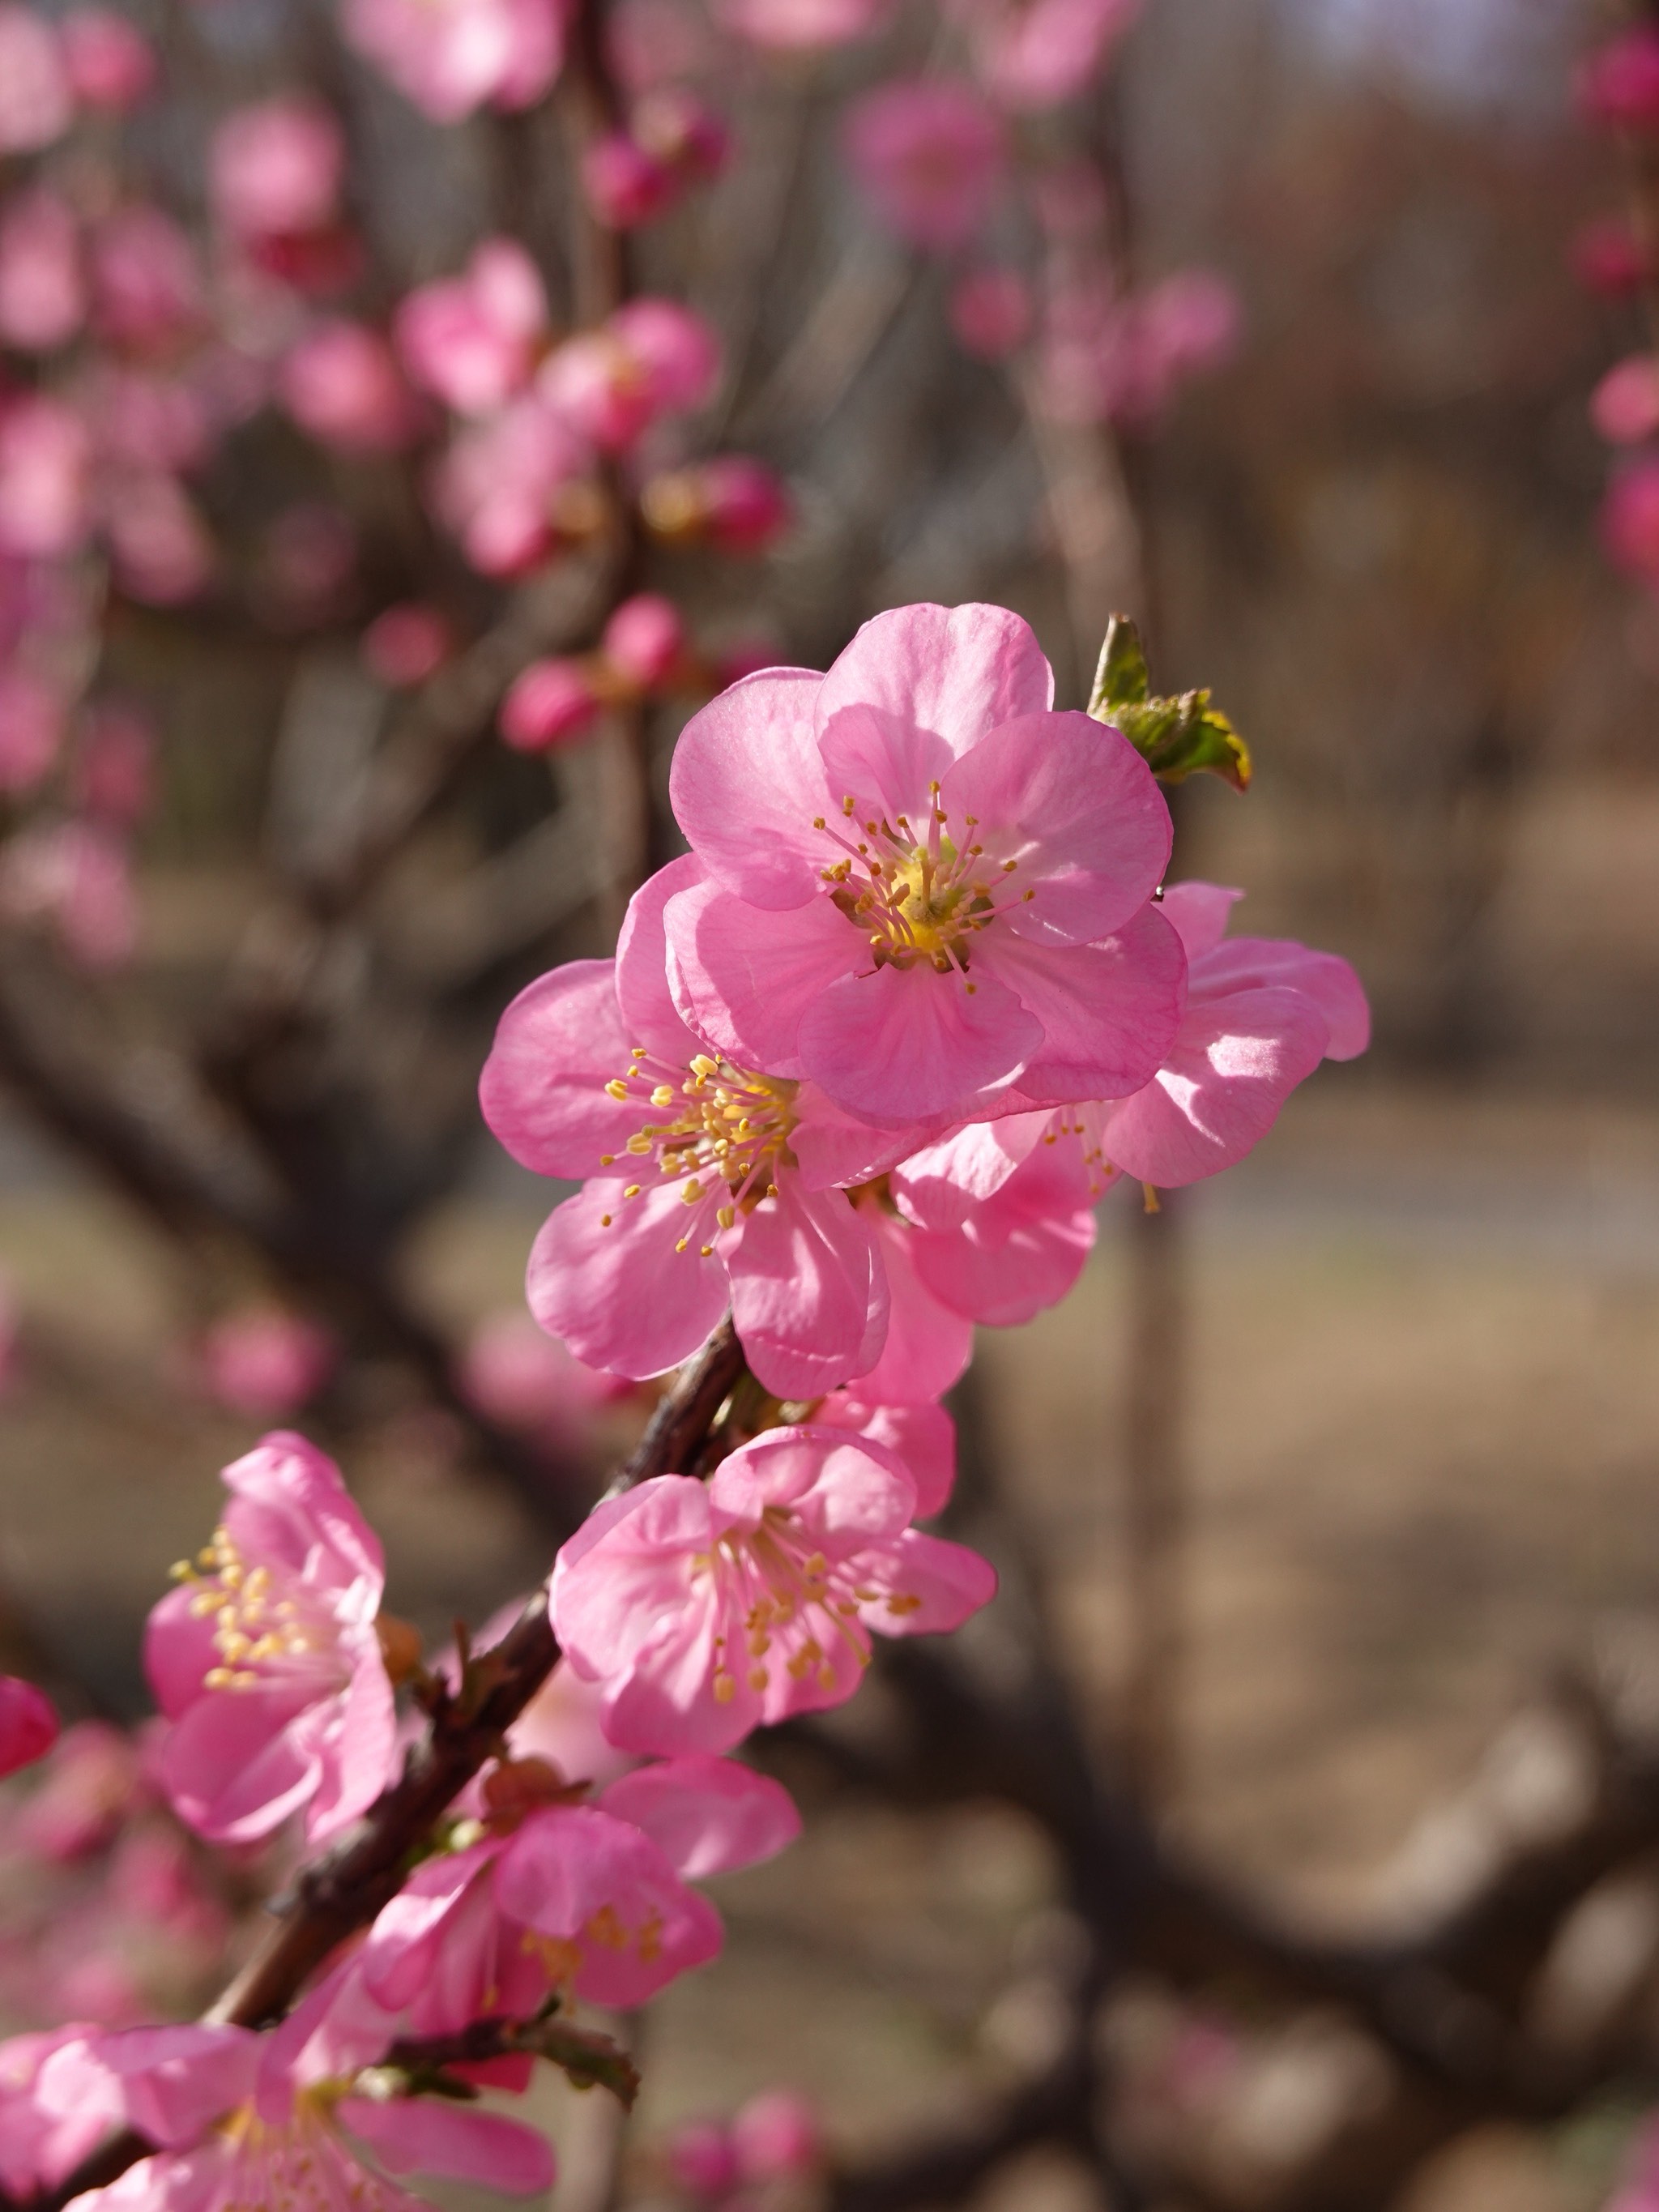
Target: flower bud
{"type": "Point", "coordinates": [643, 640]}
{"type": "Point", "coordinates": [776, 2135]}
{"type": "Point", "coordinates": [700, 2159]}
{"type": "Point", "coordinates": [1618, 85]}
{"type": "Point", "coordinates": [552, 703]}
{"type": "Point", "coordinates": [109, 62]}
{"type": "Point", "coordinates": [991, 312]}
{"type": "Point", "coordinates": [406, 644]}
{"type": "Point", "coordinates": [1624, 405]}
{"type": "Point", "coordinates": [626, 184]}
{"type": "Point", "coordinates": [1607, 258]}
{"type": "Point", "coordinates": [733, 502]}
{"type": "Point", "coordinates": [29, 1726]}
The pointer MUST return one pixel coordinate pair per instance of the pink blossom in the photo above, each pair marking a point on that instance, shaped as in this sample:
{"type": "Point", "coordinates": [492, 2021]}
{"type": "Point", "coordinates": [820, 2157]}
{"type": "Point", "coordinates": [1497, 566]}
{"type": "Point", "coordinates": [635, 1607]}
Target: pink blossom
{"type": "Point", "coordinates": [525, 1379]}
{"type": "Point", "coordinates": [276, 167]}
{"type": "Point", "coordinates": [1106, 358]}
{"type": "Point", "coordinates": [499, 487]}
{"type": "Point", "coordinates": [341, 384]}
{"type": "Point", "coordinates": [114, 761]}
{"type": "Point", "coordinates": [732, 502]}
{"type": "Point", "coordinates": [1638, 2188]}
{"type": "Point", "coordinates": [650, 359]}
{"type": "Point", "coordinates": [700, 2160]}
{"type": "Point", "coordinates": [308, 563]}
{"type": "Point", "coordinates": [472, 340]}
{"type": "Point", "coordinates": [705, 1182]}
{"type": "Point", "coordinates": [922, 1435]}
{"type": "Point", "coordinates": [991, 311]}
{"type": "Point", "coordinates": [36, 101]}
{"type": "Point", "coordinates": [92, 1783]}
{"type": "Point", "coordinates": [266, 1362]}
{"type": "Point", "coordinates": [1618, 84]}
{"type": "Point", "coordinates": [644, 640]}
{"type": "Point", "coordinates": [43, 293]}
{"type": "Point", "coordinates": [29, 1726]}
{"type": "Point", "coordinates": [803, 25]}
{"type": "Point", "coordinates": [38, 2149]}
{"type": "Point", "coordinates": [1261, 1014]}
{"type": "Point", "coordinates": [924, 885]}
{"type": "Point", "coordinates": [76, 876]}
{"type": "Point", "coordinates": [145, 421]}
{"type": "Point", "coordinates": [930, 155]}
{"type": "Point", "coordinates": [548, 704]}
{"type": "Point", "coordinates": [45, 458]}
{"type": "Point", "coordinates": [707, 1609]}
{"type": "Point", "coordinates": [625, 184]}
{"type": "Point", "coordinates": [236, 2122]}
{"type": "Point", "coordinates": [1624, 405]}
{"type": "Point", "coordinates": [681, 131]}
{"type": "Point", "coordinates": [32, 716]}
{"type": "Point", "coordinates": [1630, 521]}
{"type": "Point", "coordinates": [146, 284]}
{"type": "Point", "coordinates": [589, 1899]}
{"type": "Point", "coordinates": [111, 64]}
{"type": "Point", "coordinates": [658, 42]}
{"type": "Point", "coordinates": [1035, 56]}
{"type": "Point", "coordinates": [159, 542]}
{"type": "Point", "coordinates": [1608, 258]}
{"type": "Point", "coordinates": [267, 1662]}
{"type": "Point", "coordinates": [776, 2136]}
{"type": "Point", "coordinates": [450, 57]}
{"type": "Point", "coordinates": [408, 643]}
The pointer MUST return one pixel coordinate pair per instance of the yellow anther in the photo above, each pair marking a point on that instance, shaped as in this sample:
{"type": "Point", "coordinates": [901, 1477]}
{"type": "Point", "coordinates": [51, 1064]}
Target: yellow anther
{"type": "Point", "coordinates": [707, 1251]}
{"type": "Point", "coordinates": [1008, 866]}
{"type": "Point", "coordinates": [182, 1571]}
{"type": "Point", "coordinates": [691, 1192]}
{"type": "Point", "coordinates": [604, 1221]}
{"type": "Point", "coordinates": [726, 1686]}
{"type": "Point", "coordinates": [632, 1190]}
{"type": "Point", "coordinates": [758, 1678]}
{"type": "Point", "coordinates": [638, 1143]}
{"type": "Point", "coordinates": [616, 1087]}
{"type": "Point", "coordinates": [726, 1217]}
{"type": "Point", "coordinates": [663, 1095]}
{"type": "Point", "coordinates": [817, 821]}
{"type": "Point", "coordinates": [607, 1159]}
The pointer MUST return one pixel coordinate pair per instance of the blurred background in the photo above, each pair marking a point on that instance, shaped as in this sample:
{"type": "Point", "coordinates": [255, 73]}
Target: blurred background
{"type": "Point", "coordinates": [1342, 1593]}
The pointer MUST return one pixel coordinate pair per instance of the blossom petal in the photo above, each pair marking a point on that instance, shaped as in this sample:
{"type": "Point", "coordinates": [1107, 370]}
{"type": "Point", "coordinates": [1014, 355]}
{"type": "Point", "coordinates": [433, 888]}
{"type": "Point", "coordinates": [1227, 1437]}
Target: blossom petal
{"type": "Point", "coordinates": [431, 2135]}
{"type": "Point", "coordinates": [928, 1346]}
{"type": "Point", "coordinates": [1199, 913]}
{"type": "Point", "coordinates": [609, 1595]}
{"type": "Point", "coordinates": [923, 1438]}
{"type": "Point", "coordinates": [910, 1045]}
{"type": "Point", "coordinates": [804, 1281]}
{"type": "Point", "coordinates": [543, 1086]}
{"type": "Point", "coordinates": [238, 1763]}
{"type": "Point", "coordinates": [645, 1002]}
{"type": "Point", "coordinates": [1324, 977]}
{"type": "Point", "coordinates": [1076, 809]}
{"type": "Point", "coordinates": [289, 1502]}
{"type": "Point", "coordinates": [927, 1585]}
{"type": "Point", "coordinates": [742, 977]}
{"type": "Point", "coordinates": [1108, 1011]}
{"type": "Point", "coordinates": [747, 784]}
{"type": "Point", "coordinates": [1021, 1251]}
{"type": "Point", "coordinates": [361, 1749]}
{"type": "Point", "coordinates": [706, 1815]}
{"type": "Point", "coordinates": [850, 1491]}
{"type": "Point", "coordinates": [833, 1148]}
{"type": "Point", "coordinates": [604, 1276]}
{"type": "Point", "coordinates": [1238, 1057]}
{"type": "Point", "coordinates": [939, 1187]}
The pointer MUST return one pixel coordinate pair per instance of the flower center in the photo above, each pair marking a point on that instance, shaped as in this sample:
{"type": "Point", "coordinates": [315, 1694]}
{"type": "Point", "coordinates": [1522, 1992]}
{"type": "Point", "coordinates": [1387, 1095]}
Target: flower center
{"type": "Point", "coordinates": [792, 1600]}
{"type": "Point", "coordinates": [266, 1629]}
{"type": "Point", "coordinates": [724, 1133]}
{"type": "Point", "coordinates": [917, 897]}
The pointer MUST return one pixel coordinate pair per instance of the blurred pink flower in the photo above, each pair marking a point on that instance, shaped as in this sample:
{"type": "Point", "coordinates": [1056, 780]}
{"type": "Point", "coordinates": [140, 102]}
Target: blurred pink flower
{"type": "Point", "coordinates": [682, 130]}
{"type": "Point", "coordinates": [472, 340]}
{"type": "Point", "coordinates": [707, 1610]}
{"type": "Point", "coordinates": [548, 704]}
{"type": "Point", "coordinates": [652, 358]}
{"type": "Point", "coordinates": [408, 643]}
{"type": "Point", "coordinates": [1104, 358]}
{"type": "Point", "coordinates": [144, 418]}
{"type": "Point", "coordinates": [701, 2161]}
{"type": "Point", "coordinates": [77, 876]}
{"type": "Point", "coordinates": [1624, 405]}
{"type": "Point", "coordinates": [497, 488]}
{"type": "Point", "coordinates": [29, 1726]}
{"type": "Point", "coordinates": [733, 502]}
{"type": "Point", "coordinates": [777, 2135]}
{"type": "Point", "coordinates": [267, 1661]}
{"type": "Point", "coordinates": [625, 184]}
{"type": "Point", "coordinates": [37, 104]}
{"type": "Point", "coordinates": [657, 42]}
{"type": "Point", "coordinates": [991, 311]}
{"type": "Point", "coordinates": [341, 385]}
{"type": "Point", "coordinates": [1630, 521]}
{"type": "Point", "coordinates": [802, 26]}
{"type": "Point", "coordinates": [1035, 56]}
{"type": "Point", "coordinates": [43, 292]}
{"type": "Point", "coordinates": [31, 718]}
{"type": "Point", "coordinates": [931, 155]}
{"type": "Point", "coordinates": [114, 761]}
{"type": "Point", "coordinates": [45, 458]}
{"type": "Point", "coordinates": [276, 167]}
{"type": "Point", "coordinates": [111, 64]}
{"type": "Point", "coordinates": [40, 2149]}
{"type": "Point", "coordinates": [644, 640]}
{"type": "Point", "coordinates": [92, 1782]}
{"type": "Point", "coordinates": [520, 1377]}
{"type": "Point", "coordinates": [146, 283]}
{"type": "Point", "coordinates": [1608, 258]}
{"type": "Point", "coordinates": [308, 563]}
{"type": "Point", "coordinates": [1618, 84]}
{"type": "Point", "coordinates": [162, 553]}
{"type": "Point", "coordinates": [450, 57]}
{"type": "Point", "coordinates": [266, 1362]}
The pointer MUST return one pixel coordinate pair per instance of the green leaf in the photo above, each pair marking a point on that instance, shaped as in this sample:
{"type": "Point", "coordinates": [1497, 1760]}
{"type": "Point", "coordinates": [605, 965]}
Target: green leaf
{"type": "Point", "coordinates": [1120, 675]}
{"type": "Point", "coordinates": [1175, 737]}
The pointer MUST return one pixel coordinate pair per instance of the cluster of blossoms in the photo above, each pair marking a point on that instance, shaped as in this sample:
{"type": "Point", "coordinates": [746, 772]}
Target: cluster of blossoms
{"type": "Point", "coordinates": [864, 1060]}
{"type": "Point", "coordinates": [1619, 92]}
